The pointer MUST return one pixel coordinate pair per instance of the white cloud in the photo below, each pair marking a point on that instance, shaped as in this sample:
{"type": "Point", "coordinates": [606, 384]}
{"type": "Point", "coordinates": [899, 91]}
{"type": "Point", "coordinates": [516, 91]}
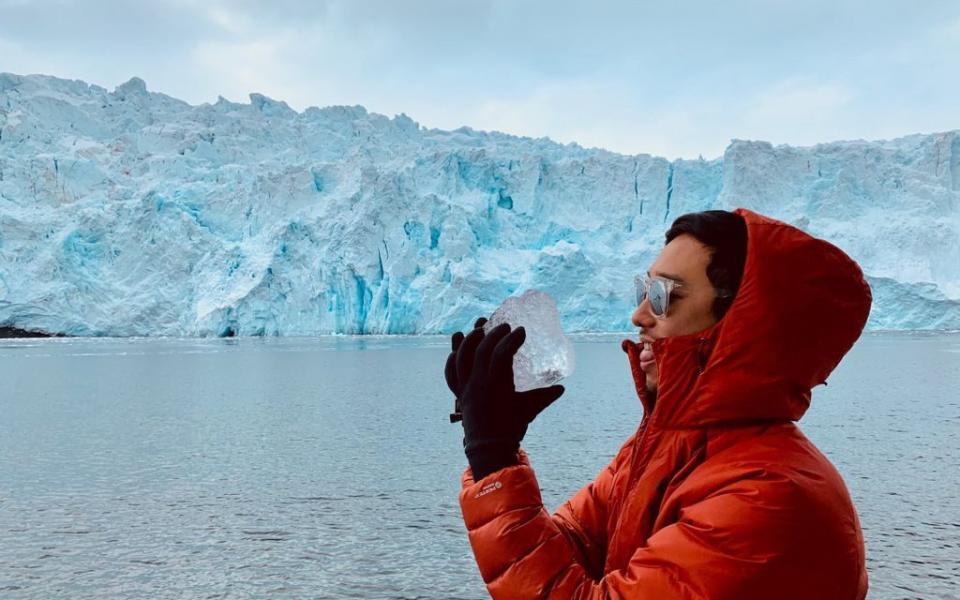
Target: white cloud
{"type": "Point", "coordinates": [630, 77]}
{"type": "Point", "coordinates": [227, 20]}
{"type": "Point", "coordinates": [798, 111]}
{"type": "Point", "coordinates": [949, 31]}
{"type": "Point", "coordinates": [239, 68]}
{"type": "Point", "coordinates": [10, 51]}
{"type": "Point", "coordinates": [798, 99]}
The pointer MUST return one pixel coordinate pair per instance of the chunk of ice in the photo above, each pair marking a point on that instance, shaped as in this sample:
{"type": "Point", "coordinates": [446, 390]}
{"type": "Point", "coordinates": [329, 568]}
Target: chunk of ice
{"type": "Point", "coordinates": [546, 355]}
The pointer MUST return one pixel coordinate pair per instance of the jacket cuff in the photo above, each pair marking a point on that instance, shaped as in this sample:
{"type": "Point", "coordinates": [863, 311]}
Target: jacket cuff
{"type": "Point", "coordinates": [502, 491]}
{"type": "Point", "coordinates": [467, 478]}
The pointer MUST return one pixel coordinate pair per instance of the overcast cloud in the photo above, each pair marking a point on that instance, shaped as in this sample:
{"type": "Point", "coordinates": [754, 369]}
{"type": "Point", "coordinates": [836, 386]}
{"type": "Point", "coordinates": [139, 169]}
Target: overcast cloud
{"type": "Point", "coordinates": [674, 79]}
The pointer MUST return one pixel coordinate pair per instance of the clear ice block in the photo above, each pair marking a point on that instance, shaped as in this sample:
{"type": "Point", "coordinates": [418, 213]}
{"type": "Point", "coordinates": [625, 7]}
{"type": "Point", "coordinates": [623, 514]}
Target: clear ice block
{"type": "Point", "coordinates": [546, 355]}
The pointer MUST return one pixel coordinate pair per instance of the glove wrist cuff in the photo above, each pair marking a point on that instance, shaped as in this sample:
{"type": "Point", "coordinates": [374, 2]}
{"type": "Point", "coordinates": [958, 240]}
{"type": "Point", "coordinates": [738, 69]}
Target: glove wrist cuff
{"type": "Point", "coordinates": [491, 457]}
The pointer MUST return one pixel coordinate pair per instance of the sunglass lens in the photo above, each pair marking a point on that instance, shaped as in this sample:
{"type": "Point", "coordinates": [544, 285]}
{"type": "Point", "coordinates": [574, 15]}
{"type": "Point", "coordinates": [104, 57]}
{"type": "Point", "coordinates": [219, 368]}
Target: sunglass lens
{"type": "Point", "coordinates": [658, 297]}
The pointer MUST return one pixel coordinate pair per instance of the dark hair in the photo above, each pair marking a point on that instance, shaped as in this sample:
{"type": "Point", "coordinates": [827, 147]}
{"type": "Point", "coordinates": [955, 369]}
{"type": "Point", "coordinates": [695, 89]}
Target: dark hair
{"type": "Point", "coordinates": [725, 234]}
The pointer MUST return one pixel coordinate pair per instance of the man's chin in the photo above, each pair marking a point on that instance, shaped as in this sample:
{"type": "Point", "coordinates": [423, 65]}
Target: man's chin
{"type": "Point", "coordinates": [651, 393]}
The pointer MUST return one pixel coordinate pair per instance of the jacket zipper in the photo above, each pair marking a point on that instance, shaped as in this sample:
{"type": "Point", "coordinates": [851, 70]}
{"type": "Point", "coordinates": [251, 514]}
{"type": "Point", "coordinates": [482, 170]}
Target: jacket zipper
{"type": "Point", "coordinates": [636, 470]}
{"type": "Point", "coordinates": [701, 357]}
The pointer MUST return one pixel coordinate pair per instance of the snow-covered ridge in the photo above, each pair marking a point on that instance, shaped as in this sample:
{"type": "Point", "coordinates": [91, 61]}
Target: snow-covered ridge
{"type": "Point", "coordinates": [133, 213]}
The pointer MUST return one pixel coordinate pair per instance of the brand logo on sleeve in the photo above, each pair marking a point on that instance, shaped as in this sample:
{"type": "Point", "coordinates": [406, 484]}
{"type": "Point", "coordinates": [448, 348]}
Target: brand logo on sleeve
{"type": "Point", "coordinates": [490, 487]}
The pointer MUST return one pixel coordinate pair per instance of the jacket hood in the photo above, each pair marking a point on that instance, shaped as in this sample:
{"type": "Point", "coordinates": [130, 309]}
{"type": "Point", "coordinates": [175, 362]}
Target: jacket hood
{"type": "Point", "coordinates": [801, 305]}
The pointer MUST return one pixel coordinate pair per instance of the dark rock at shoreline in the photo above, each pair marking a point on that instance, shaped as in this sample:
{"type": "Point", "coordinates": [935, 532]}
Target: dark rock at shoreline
{"type": "Point", "coordinates": [13, 332]}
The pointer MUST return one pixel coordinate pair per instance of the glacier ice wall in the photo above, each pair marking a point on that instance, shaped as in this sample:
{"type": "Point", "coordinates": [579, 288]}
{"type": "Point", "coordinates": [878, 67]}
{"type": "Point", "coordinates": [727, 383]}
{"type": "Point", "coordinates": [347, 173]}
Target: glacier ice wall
{"type": "Point", "coordinates": [133, 213]}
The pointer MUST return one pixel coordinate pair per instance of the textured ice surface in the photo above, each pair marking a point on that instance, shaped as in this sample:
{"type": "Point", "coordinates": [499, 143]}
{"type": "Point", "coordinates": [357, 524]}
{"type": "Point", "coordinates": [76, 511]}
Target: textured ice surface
{"type": "Point", "coordinates": [133, 213]}
{"type": "Point", "coordinates": [546, 355]}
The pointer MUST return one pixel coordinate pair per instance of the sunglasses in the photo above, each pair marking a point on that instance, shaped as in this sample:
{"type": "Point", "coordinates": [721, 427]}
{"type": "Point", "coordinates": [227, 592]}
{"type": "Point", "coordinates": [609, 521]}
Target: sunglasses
{"type": "Point", "coordinates": [658, 289]}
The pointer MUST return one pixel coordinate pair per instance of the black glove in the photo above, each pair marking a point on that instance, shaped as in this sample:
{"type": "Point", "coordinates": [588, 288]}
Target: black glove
{"type": "Point", "coordinates": [450, 372]}
{"type": "Point", "coordinates": [495, 415]}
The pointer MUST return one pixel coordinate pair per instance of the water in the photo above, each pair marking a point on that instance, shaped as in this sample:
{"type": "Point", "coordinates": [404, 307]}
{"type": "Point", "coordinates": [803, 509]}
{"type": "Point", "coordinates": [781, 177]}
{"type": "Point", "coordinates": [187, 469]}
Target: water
{"type": "Point", "coordinates": [329, 469]}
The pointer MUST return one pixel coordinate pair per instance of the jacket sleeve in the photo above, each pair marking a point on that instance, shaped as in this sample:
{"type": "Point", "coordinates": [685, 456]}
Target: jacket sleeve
{"type": "Point", "coordinates": [583, 518]}
{"type": "Point", "coordinates": [743, 541]}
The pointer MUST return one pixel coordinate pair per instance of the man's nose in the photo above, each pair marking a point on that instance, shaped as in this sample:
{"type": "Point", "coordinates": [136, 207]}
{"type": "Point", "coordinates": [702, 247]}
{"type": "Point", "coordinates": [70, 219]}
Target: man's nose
{"type": "Point", "coordinates": [642, 315]}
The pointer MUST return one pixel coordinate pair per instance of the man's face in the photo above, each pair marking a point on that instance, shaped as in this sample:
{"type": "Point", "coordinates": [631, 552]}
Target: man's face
{"type": "Point", "coordinates": [685, 261]}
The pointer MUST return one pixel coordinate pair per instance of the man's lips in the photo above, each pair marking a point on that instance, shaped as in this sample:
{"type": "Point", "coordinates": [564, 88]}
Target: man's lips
{"type": "Point", "coordinates": [646, 357]}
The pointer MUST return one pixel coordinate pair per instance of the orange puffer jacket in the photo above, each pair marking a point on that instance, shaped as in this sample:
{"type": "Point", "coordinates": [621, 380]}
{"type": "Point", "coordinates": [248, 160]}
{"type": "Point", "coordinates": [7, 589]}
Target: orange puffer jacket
{"type": "Point", "coordinates": [718, 494]}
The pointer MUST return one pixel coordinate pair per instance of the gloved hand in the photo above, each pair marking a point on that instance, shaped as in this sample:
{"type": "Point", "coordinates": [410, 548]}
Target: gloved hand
{"type": "Point", "coordinates": [495, 415]}
{"type": "Point", "coordinates": [450, 372]}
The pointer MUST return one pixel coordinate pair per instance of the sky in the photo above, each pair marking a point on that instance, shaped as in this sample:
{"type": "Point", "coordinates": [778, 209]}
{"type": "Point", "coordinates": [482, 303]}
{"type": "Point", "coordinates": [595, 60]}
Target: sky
{"type": "Point", "coordinates": [675, 79]}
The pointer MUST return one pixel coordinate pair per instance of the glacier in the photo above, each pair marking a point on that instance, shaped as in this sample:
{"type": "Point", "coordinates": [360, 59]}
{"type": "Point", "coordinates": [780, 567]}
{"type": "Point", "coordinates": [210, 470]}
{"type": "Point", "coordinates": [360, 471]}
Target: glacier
{"type": "Point", "coordinates": [132, 213]}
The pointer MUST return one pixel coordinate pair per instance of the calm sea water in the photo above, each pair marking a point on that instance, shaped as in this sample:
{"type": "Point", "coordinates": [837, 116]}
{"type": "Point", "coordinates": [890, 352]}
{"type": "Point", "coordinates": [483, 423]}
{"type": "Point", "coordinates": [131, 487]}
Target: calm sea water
{"type": "Point", "coordinates": [328, 468]}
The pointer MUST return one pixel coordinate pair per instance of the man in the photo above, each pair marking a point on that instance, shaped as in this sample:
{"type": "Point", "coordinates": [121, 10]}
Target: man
{"type": "Point", "coordinates": [718, 494]}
